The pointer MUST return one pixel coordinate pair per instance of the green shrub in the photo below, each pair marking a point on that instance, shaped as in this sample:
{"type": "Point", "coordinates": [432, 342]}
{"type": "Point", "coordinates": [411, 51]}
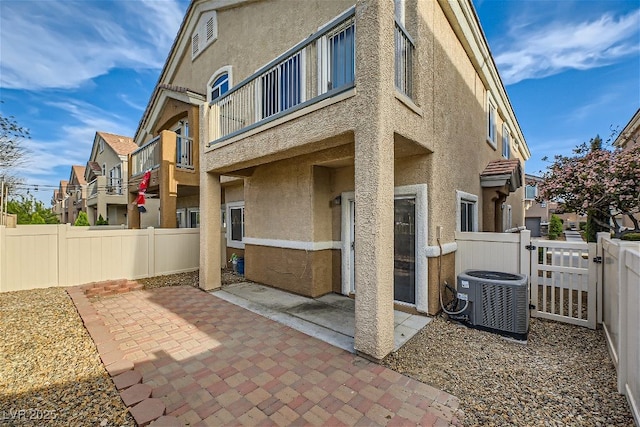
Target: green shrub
{"type": "Point", "coordinates": [555, 227]}
{"type": "Point", "coordinates": [583, 225]}
{"type": "Point", "coordinates": [102, 221]}
{"type": "Point", "coordinates": [635, 237]}
{"type": "Point", "coordinates": [36, 218]}
{"type": "Point", "coordinates": [82, 220]}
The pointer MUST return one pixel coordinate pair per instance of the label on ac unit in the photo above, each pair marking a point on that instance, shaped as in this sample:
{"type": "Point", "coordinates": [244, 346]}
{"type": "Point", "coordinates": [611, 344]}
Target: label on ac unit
{"type": "Point", "coordinates": [464, 284]}
{"type": "Point", "coordinates": [463, 297]}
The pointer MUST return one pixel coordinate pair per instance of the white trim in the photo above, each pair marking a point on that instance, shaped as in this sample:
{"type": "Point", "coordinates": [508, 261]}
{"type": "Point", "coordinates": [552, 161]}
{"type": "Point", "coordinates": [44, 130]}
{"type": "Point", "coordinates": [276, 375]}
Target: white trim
{"type": "Point", "coordinates": [408, 102]}
{"type": "Point", "coordinates": [228, 69]}
{"type": "Point", "coordinates": [230, 242]}
{"type": "Point", "coordinates": [492, 125]}
{"type": "Point", "coordinates": [460, 196]}
{"type": "Point", "coordinates": [419, 191]}
{"type": "Point", "coordinates": [506, 141]}
{"type": "Point", "coordinates": [200, 31]}
{"type": "Point", "coordinates": [293, 244]}
{"type": "Point", "coordinates": [447, 248]}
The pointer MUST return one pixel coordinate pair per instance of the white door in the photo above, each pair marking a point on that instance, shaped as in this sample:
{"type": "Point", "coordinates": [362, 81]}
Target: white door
{"type": "Point", "coordinates": [352, 243]}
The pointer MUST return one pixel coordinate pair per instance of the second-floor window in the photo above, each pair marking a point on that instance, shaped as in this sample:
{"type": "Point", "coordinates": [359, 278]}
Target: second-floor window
{"type": "Point", "coordinates": [530, 192]}
{"type": "Point", "coordinates": [115, 180]}
{"type": "Point", "coordinates": [506, 141]}
{"type": "Point", "coordinates": [492, 113]}
{"type": "Point", "coordinates": [220, 86]}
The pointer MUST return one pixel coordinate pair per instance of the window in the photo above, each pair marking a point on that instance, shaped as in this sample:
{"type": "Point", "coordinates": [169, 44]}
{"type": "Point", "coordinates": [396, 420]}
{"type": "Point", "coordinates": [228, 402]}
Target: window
{"type": "Point", "coordinates": [399, 11]}
{"type": "Point", "coordinates": [530, 192]}
{"type": "Point", "coordinates": [184, 145]}
{"type": "Point", "coordinates": [506, 140]}
{"type": "Point", "coordinates": [115, 180]}
{"type": "Point", "coordinates": [492, 112]}
{"type": "Point", "coordinates": [101, 145]}
{"type": "Point", "coordinates": [342, 49]}
{"type": "Point", "coordinates": [281, 86]}
{"type": "Point", "coordinates": [193, 218]}
{"type": "Point", "coordinates": [104, 169]}
{"type": "Point", "coordinates": [467, 211]}
{"type": "Point", "coordinates": [235, 225]}
{"type": "Point", "coordinates": [219, 86]}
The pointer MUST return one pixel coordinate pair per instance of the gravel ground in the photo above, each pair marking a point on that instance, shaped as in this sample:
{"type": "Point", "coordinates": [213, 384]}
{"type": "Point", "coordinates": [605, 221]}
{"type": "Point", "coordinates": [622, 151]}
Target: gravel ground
{"type": "Point", "coordinates": [50, 371]}
{"type": "Point", "coordinates": [190, 278]}
{"type": "Point", "coordinates": [562, 377]}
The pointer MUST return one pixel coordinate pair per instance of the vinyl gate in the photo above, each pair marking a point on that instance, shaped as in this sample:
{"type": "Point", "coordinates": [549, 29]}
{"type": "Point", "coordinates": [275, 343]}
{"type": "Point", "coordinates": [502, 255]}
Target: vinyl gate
{"type": "Point", "coordinates": [564, 281]}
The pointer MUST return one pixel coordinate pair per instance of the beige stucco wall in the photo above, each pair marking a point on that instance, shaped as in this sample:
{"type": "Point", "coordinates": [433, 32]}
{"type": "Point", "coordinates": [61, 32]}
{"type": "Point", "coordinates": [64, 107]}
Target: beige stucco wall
{"type": "Point", "coordinates": [244, 22]}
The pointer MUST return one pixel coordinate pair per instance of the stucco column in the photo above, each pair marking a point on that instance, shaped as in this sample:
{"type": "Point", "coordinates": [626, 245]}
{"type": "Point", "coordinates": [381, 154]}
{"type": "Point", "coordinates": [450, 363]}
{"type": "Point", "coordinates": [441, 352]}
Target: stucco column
{"type": "Point", "coordinates": [374, 179]}
{"type": "Point", "coordinates": [210, 277]}
{"type": "Point", "coordinates": [102, 198]}
{"type": "Point", "coordinates": [168, 185]}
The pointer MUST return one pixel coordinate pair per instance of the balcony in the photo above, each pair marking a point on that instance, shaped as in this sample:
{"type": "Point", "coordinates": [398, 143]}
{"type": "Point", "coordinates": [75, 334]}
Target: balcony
{"type": "Point", "coordinates": [150, 155]}
{"type": "Point", "coordinates": [92, 189]}
{"type": "Point", "coordinates": [146, 157]}
{"type": "Point", "coordinates": [318, 68]}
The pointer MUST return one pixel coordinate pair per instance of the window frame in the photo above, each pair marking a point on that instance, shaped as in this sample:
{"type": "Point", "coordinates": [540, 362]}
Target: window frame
{"type": "Point", "coordinates": [506, 141]}
{"type": "Point", "coordinates": [231, 243]}
{"type": "Point", "coordinates": [469, 199]}
{"type": "Point", "coordinates": [492, 121]}
{"type": "Point", "coordinates": [190, 211]}
{"type": "Point", "coordinates": [228, 70]}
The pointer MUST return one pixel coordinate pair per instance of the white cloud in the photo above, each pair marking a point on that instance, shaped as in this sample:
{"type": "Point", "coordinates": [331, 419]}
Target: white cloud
{"type": "Point", "coordinates": [72, 143]}
{"type": "Point", "coordinates": [538, 51]}
{"type": "Point", "coordinates": [64, 44]}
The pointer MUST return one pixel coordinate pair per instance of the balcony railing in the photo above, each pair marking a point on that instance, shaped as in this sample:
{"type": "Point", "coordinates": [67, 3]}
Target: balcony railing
{"type": "Point", "coordinates": [184, 152]}
{"type": "Point", "coordinates": [315, 69]}
{"type": "Point", "coordinates": [146, 157]}
{"type": "Point", "coordinates": [404, 47]}
{"type": "Point", "coordinates": [115, 186]}
{"type": "Point", "coordinates": [92, 188]}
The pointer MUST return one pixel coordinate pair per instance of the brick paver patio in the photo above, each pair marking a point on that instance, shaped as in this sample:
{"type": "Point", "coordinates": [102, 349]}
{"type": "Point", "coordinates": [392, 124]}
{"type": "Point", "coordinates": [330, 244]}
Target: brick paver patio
{"type": "Point", "coordinates": [213, 363]}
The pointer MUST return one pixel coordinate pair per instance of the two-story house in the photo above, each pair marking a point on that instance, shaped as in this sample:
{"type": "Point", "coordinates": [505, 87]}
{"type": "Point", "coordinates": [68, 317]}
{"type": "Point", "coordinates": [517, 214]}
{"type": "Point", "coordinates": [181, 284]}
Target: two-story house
{"type": "Point", "coordinates": [106, 177]}
{"type": "Point", "coordinates": [59, 202]}
{"type": "Point", "coordinates": [537, 213]}
{"type": "Point", "coordinates": [77, 192]}
{"type": "Point", "coordinates": [168, 139]}
{"type": "Point", "coordinates": [362, 137]}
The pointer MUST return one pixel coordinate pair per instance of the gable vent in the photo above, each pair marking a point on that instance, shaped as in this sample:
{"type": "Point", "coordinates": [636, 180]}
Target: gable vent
{"type": "Point", "coordinates": [204, 33]}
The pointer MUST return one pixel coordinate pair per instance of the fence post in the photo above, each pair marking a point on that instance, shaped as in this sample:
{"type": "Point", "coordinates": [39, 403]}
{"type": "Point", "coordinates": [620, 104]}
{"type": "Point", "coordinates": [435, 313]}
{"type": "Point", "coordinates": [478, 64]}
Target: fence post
{"type": "Point", "coordinates": [151, 252]}
{"type": "Point", "coordinates": [3, 242]}
{"type": "Point", "coordinates": [592, 293]}
{"type": "Point", "coordinates": [622, 318]}
{"type": "Point", "coordinates": [62, 254]}
{"type": "Point", "coordinates": [525, 262]}
{"type": "Point", "coordinates": [599, 276]}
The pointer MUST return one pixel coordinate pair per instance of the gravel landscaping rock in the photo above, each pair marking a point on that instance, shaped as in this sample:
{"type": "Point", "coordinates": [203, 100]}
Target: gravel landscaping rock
{"type": "Point", "coordinates": [191, 279]}
{"type": "Point", "coordinates": [50, 371]}
{"type": "Point", "coordinates": [562, 377]}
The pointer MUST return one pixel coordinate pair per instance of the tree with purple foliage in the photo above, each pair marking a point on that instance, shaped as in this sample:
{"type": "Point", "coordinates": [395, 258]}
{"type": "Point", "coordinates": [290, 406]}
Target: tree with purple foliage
{"type": "Point", "coordinates": [596, 182]}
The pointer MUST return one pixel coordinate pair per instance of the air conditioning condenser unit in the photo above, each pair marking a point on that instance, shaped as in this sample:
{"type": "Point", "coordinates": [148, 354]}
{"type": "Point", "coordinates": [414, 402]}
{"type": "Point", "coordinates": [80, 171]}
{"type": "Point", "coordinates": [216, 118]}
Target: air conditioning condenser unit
{"type": "Point", "coordinates": [497, 302]}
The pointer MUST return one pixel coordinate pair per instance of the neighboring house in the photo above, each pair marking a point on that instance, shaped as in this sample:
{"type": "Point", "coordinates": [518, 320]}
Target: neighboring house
{"type": "Point", "coordinates": [77, 192]}
{"type": "Point", "coordinates": [168, 140]}
{"type": "Point", "coordinates": [106, 177]}
{"type": "Point", "coordinates": [56, 205]}
{"type": "Point", "coordinates": [537, 214]}
{"type": "Point", "coordinates": [60, 202]}
{"type": "Point", "coordinates": [358, 152]}
{"type": "Point", "coordinates": [628, 138]}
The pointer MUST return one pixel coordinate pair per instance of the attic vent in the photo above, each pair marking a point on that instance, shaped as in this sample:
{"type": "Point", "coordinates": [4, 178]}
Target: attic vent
{"type": "Point", "coordinates": [204, 33]}
{"type": "Point", "coordinates": [195, 44]}
{"type": "Point", "coordinates": [210, 28]}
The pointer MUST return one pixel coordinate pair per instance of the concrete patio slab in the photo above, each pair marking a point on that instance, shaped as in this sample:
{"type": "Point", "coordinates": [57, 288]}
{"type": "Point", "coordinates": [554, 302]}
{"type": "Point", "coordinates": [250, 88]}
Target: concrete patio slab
{"type": "Point", "coordinates": [329, 318]}
{"type": "Point", "coordinates": [219, 364]}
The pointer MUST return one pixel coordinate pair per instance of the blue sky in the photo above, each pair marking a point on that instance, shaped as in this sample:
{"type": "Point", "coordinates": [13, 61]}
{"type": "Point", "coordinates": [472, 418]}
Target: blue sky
{"type": "Point", "coordinates": [69, 69]}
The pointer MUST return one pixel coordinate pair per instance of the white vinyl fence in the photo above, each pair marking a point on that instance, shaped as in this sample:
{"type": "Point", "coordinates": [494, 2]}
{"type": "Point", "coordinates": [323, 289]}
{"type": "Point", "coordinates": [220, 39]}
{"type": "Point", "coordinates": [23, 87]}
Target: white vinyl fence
{"type": "Point", "coordinates": [40, 256]}
{"type": "Point", "coordinates": [621, 315]}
